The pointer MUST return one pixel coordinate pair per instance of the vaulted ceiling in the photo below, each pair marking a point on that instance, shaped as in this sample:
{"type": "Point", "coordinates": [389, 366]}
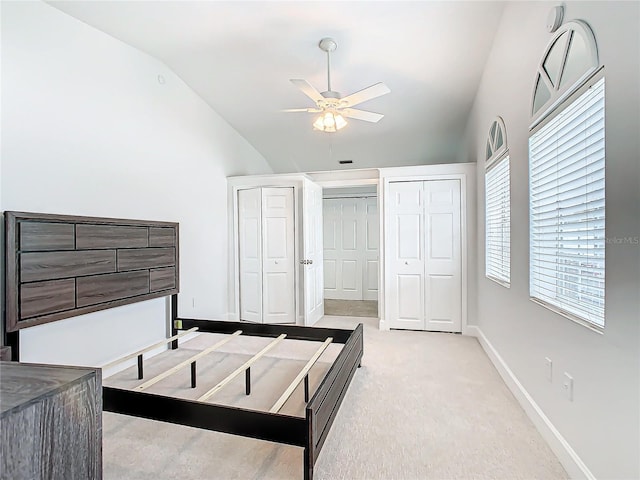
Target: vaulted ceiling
{"type": "Point", "coordinates": [239, 56]}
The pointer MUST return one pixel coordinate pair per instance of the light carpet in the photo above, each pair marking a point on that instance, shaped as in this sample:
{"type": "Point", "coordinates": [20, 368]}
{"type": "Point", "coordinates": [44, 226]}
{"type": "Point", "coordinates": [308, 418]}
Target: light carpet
{"type": "Point", "coordinates": [351, 308]}
{"type": "Point", "coordinates": [423, 406]}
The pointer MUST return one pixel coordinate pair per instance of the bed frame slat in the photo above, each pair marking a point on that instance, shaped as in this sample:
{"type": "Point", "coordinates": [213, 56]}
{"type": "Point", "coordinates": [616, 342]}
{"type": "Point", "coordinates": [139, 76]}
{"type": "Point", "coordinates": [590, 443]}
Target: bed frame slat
{"type": "Point", "coordinates": [148, 349]}
{"type": "Point", "coordinates": [188, 361]}
{"type": "Point", "coordinates": [303, 373]}
{"type": "Point", "coordinates": [242, 368]}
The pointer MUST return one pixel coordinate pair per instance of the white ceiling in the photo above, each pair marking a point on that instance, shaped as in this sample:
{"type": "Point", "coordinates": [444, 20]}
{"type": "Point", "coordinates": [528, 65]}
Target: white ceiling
{"type": "Point", "coordinates": [239, 56]}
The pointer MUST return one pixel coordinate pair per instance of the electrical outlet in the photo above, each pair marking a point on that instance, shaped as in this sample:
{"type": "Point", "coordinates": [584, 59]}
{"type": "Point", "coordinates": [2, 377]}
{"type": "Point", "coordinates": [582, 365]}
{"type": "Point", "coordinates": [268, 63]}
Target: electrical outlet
{"type": "Point", "coordinates": [567, 385]}
{"type": "Point", "coordinates": [549, 368]}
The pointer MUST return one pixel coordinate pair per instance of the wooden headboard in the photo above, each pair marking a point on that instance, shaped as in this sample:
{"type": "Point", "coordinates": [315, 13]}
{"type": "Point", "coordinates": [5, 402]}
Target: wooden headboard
{"type": "Point", "coordinates": [59, 266]}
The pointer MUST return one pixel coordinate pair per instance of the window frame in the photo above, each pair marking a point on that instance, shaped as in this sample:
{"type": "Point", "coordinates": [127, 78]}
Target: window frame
{"type": "Point", "coordinates": [558, 109]}
{"type": "Point", "coordinates": [561, 94]}
{"type": "Point", "coordinates": [498, 155]}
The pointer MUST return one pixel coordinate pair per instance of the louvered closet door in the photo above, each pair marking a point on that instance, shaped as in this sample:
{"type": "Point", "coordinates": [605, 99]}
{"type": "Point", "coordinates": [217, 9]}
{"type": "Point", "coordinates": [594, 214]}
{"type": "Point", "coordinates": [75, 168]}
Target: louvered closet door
{"type": "Point", "coordinates": [405, 239]}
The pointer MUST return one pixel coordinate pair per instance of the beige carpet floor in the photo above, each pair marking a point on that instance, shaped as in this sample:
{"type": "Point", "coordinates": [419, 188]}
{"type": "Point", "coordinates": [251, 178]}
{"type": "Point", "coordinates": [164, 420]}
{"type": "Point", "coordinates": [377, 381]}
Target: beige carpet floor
{"type": "Point", "coordinates": [351, 308]}
{"type": "Point", "coordinates": [423, 406]}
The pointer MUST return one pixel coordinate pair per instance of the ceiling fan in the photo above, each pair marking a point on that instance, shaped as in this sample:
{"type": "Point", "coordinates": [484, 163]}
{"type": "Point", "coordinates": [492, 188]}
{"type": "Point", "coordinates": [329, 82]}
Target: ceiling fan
{"type": "Point", "coordinates": [330, 105]}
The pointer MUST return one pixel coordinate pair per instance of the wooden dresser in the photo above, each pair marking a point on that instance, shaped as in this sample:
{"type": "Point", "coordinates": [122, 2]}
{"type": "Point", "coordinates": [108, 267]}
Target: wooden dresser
{"type": "Point", "coordinates": [50, 422]}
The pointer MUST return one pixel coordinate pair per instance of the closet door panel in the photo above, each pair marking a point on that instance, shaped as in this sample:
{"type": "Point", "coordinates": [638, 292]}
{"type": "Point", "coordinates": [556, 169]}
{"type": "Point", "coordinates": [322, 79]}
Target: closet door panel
{"type": "Point", "coordinates": [406, 255]}
{"type": "Point", "coordinates": [330, 280]}
{"type": "Point", "coordinates": [443, 256]}
{"type": "Point", "coordinates": [349, 276]}
{"type": "Point", "coordinates": [278, 260]}
{"type": "Point", "coordinates": [410, 308]}
{"type": "Point", "coordinates": [350, 268]}
{"type": "Point", "coordinates": [442, 300]}
{"type": "Point", "coordinates": [371, 246]}
{"type": "Point", "coordinates": [250, 238]}
{"type": "Point", "coordinates": [331, 232]}
{"type": "Point", "coordinates": [343, 248]}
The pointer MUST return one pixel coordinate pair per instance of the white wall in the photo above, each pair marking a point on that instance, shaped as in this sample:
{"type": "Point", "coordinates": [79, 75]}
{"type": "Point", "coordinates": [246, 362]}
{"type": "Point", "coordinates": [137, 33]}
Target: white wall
{"type": "Point", "coordinates": [89, 128]}
{"type": "Point", "coordinates": [601, 424]}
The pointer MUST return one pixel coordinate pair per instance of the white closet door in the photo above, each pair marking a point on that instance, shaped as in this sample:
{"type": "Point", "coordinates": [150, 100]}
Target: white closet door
{"type": "Point", "coordinates": [330, 233]}
{"type": "Point", "coordinates": [278, 259]}
{"type": "Point", "coordinates": [405, 239]}
{"type": "Point", "coordinates": [313, 253]}
{"type": "Point", "coordinates": [425, 262]}
{"type": "Point", "coordinates": [350, 266]}
{"type": "Point", "coordinates": [344, 243]}
{"type": "Point", "coordinates": [443, 266]}
{"type": "Point", "coordinates": [250, 248]}
{"type": "Point", "coordinates": [371, 237]}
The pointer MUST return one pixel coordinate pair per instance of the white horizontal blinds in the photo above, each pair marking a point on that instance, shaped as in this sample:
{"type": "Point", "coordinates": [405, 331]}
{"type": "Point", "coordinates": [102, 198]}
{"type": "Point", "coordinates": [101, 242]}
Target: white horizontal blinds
{"type": "Point", "coordinates": [567, 222]}
{"type": "Point", "coordinates": [498, 220]}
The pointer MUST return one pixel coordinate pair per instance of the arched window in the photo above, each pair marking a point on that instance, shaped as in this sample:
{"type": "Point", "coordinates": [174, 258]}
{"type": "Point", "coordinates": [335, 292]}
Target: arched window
{"type": "Point", "coordinates": [570, 57]}
{"type": "Point", "coordinates": [497, 206]}
{"type": "Point", "coordinates": [567, 177]}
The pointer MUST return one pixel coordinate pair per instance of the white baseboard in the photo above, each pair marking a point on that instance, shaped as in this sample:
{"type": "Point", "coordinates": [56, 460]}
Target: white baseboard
{"type": "Point", "coordinates": [569, 459]}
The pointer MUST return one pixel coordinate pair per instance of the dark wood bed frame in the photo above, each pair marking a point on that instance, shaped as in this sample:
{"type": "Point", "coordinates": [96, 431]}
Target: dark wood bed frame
{"type": "Point", "coordinates": [308, 432]}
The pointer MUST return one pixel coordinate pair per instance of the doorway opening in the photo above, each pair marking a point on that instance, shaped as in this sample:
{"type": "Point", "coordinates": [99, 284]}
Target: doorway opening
{"type": "Point", "coordinates": [351, 226]}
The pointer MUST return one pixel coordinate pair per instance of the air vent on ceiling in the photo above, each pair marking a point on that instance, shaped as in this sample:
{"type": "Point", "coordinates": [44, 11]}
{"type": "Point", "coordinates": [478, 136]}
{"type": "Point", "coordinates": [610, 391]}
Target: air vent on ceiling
{"type": "Point", "coordinates": [345, 162]}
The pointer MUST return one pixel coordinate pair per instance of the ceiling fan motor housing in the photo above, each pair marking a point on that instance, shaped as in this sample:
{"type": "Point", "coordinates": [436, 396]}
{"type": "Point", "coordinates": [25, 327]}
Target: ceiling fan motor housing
{"type": "Point", "coordinates": [327, 45]}
{"type": "Point", "coordinates": [331, 100]}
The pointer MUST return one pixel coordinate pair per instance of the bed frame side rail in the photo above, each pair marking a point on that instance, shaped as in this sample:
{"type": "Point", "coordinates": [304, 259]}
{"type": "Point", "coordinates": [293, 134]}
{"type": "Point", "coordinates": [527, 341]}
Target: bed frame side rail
{"type": "Point", "coordinates": [325, 403]}
{"type": "Point", "coordinates": [273, 427]}
{"type": "Point", "coordinates": [293, 332]}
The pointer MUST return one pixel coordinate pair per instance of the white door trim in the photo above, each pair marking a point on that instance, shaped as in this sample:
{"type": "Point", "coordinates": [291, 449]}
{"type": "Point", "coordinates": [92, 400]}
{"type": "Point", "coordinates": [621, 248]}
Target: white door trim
{"type": "Point", "coordinates": [235, 184]}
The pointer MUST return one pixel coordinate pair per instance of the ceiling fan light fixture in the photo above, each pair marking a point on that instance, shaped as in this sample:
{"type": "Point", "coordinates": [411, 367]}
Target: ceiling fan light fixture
{"type": "Point", "coordinates": [329, 121]}
{"type": "Point", "coordinates": [331, 106]}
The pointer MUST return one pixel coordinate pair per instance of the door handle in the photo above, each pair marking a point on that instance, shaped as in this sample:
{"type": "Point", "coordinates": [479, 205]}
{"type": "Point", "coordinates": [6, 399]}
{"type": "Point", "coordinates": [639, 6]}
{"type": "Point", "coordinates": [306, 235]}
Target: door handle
{"type": "Point", "coordinates": [406, 263]}
{"type": "Point", "coordinates": [276, 261]}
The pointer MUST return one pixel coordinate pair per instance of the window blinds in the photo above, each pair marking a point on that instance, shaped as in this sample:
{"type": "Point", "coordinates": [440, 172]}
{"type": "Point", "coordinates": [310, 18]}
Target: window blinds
{"type": "Point", "coordinates": [498, 219]}
{"type": "Point", "coordinates": [567, 215]}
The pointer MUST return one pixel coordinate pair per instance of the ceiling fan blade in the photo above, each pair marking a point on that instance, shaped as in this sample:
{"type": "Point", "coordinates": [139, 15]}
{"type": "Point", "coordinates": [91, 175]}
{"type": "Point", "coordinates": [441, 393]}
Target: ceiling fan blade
{"type": "Point", "coordinates": [308, 110]}
{"type": "Point", "coordinates": [307, 89]}
{"type": "Point", "coordinates": [362, 115]}
{"type": "Point", "coordinates": [365, 94]}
